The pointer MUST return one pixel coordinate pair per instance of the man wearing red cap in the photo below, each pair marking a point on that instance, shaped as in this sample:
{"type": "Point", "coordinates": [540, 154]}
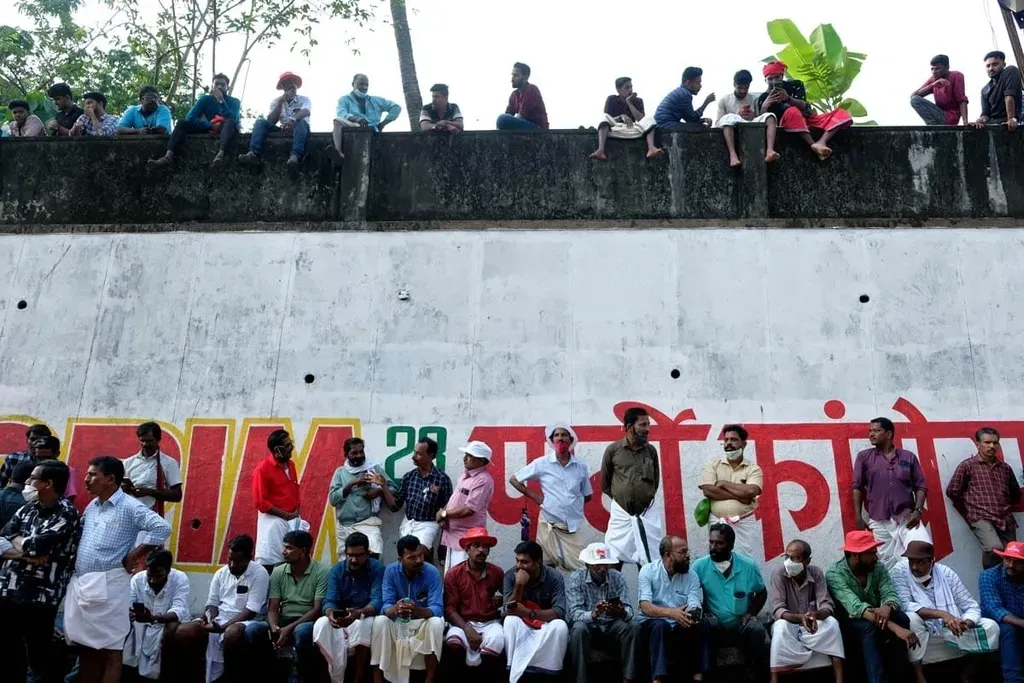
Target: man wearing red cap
{"type": "Point", "coordinates": [1002, 601]}
{"type": "Point", "coordinates": [472, 606]}
{"type": "Point", "coordinates": [288, 113]}
{"type": "Point", "coordinates": [869, 611]}
{"type": "Point", "coordinates": [788, 101]}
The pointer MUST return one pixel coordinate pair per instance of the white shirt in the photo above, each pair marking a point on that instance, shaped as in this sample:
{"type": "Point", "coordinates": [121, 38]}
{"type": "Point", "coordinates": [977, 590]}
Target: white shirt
{"type": "Point", "coordinates": [289, 108]}
{"type": "Point", "coordinates": [142, 471]}
{"type": "Point", "coordinates": [224, 592]}
{"type": "Point", "coordinates": [563, 487]}
{"type": "Point", "coordinates": [173, 597]}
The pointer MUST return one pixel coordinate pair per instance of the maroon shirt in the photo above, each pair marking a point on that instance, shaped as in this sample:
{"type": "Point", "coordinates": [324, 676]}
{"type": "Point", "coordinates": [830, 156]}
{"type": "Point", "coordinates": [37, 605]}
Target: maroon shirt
{"type": "Point", "coordinates": [948, 99]}
{"type": "Point", "coordinates": [888, 485]}
{"type": "Point", "coordinates": [468, 595]}
{"type": "Point", "coordinates": [615, 107]}
{"type": "Point", "coordinates": [986, 492]}
{"type": "Point", "coordinates": [528, 104]}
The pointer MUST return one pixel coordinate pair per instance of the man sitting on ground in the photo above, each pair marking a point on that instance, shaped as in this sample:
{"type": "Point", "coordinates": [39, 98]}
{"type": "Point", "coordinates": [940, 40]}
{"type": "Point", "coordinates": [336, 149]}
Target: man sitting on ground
{"type": "Point", "coordinates": [159, 606]}
{"type": "Point", "coordinates": [353, 599]}
{"type": "Point", "coordinates": [788, 101]}
{"type": "Point", "coordinates": [148, 117]}
{"type": "Point", "coordinates": [526, 110]}
{"type": "Point", "coordinates": [536, 635]}
{"type": "Point", "coordinates": [1002, 600]}
{"type": "Point", "coordinates": [95, 121]}
{"type": "Point", "coordinates": [410, 632]}
{"type": "Point", "coordinates": [1001, 97]}
{"type": "Point", "coordinates": [624, 118]}
{"type": "Point", "coordinates": [216, 113]}
{"type": "Point", "coordinates": [23, 124]}
{"type": "Point", "coordinates": [288, 113]}
{"type": "Point", "coordinates": [472, 605]}
{"type": "Point", "coordinates": [440, 114]}
{"type": "Point", "coordinates": [676, 111]}
{"type": "Point", "coordinates": [737, 108]}
{"type": "Point", "coordinates": [950, 98]}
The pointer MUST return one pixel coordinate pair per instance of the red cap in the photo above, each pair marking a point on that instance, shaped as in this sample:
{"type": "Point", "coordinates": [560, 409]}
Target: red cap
{"type": "Point", "coordinates": [859, 542]}
{"type": "Point", "coordinates": [1014, 550]}
{"type": "Point", "coordinates": [478, 534]}
{"type": "Point", "coordinates": [289, 76]}
{"type": "Point", "coordinates": [776, 68]}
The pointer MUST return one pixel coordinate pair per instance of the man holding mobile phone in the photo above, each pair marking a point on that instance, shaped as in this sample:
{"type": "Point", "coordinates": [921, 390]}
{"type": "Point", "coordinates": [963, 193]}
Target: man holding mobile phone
{"type": "Point", "coordinates": [216, 113]}
{"type": "Point", "coordinates": [160, 597]}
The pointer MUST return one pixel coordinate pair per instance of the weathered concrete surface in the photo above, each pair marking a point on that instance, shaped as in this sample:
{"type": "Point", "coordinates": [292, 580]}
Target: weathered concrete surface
{"type": "Point", "coordinates": [892, 176]}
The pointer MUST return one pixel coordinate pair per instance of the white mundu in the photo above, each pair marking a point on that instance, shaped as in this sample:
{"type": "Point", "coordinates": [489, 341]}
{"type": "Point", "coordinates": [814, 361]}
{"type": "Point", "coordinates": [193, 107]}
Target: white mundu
{"type": "Point", "coordinates": [336, 644]}
{"type": "Point", "coordinates": [793, 645]}
{"type": "Point", "coordinates": [399, 647]}
{"type": "Point", "coordinates": [541, 648]}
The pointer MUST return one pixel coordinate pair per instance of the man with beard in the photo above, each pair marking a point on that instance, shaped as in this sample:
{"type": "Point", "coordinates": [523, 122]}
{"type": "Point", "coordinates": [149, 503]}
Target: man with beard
{"type": "Point", "coordinates": [472, 606]}
{"type": "Point", "coordinates": [671, 599]}
{"type": "Point", "coordinates": [1002, 601]}
{"type": "Point", "coordinates": [947, 86]}
{"type": "Point", "coordinates": [600, 612]}
{"type": "Point", "coordinates": [151, 475]}
{"type": "Point", "coordinates": [526, 110]}
{"type": "Point", "coordinates": [159, 605]}
{"type": "Point", "coordinates": [788, 101]}
{"type": "Point", "coordinates": [869, 612]}
{"type": "Point", "coordinates": [14, 459]}
{"type": "Point", "coordinates": [734, 594]}
{"type": "Point", "coordinates": [630, 476]}
{"type": "Point", "coordinates": [425, 491]}
{"type": "Point", "coordinates": [733, 485]}
{"type": "Point", "coordinates": [890, 484]}
{"type": "Point", "coordinates": [1001, 97]}
{"type": "Point", "coordinates": [275, 493]}
{"type": "Point", "coordinates": [536, 634]}
{"type": "Point", "coordinates": [23, 123]}
{"type": "Point", "coordinates": [737, 109]}
{"type": "Point", "coordinates": [357, 490]}
{"type": "Point", "coordinates": [467, 508]}
{"type": "Point", "coordinates": [564, 488]}
{"type": "Point", "coordinates": [148, 117]}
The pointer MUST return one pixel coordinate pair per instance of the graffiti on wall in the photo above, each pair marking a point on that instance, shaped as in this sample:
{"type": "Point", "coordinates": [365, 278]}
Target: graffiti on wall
{"type": "Point", "coordinates": [217, 456]}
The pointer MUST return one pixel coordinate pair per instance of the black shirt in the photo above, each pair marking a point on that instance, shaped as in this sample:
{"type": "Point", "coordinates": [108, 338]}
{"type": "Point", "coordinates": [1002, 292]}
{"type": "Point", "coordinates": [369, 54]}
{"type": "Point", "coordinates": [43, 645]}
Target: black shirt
{"type": "Point", "coordinates": [68, 119]}
{"type": "Point", "coordinates": [795, 89]}
{"type": "Point", "coordinates": [993, 102]}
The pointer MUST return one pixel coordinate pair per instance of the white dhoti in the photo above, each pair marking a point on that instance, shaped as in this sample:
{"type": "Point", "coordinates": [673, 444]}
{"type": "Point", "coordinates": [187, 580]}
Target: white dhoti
{"type": "Point", "coordinates": [748, 533]}
{"type": "Point", "coordinates": [454, 557]}
{"type": "Point", "coordinates": [634, 539]}
{"type": "Point", "coordinates": [984, 637]}
{"type": "Point", "coordinates": [540, 650]}
{"type": "Point", "coordinates": [215, 653]}
{"type": "Point", "coordinates": [895, 537]}
{"type": "Point", "coordinates": [737, 120]}
{"type": "Point", "coordinates": [336, 644]}
{"type": "Point", "coordinates": [793, 645]}
{"type": "Point", "coordinates": [493, 643]}
{"type": "Point", "coordinates": [425, 531]}
{"type": "Point", "coordinates": [561, 548]}
{"type": "Point", "coordinates": [369, 526]}
{"type": "Point", "coordinates": [620, 130]}
{"type": "Point", "coordinates": [142, 649]}
{"type": "Point", "coordinates": [270, 531]}
{"type": "Point", "coordinates": [399, 647]}
{"type": "Point", "coordinates": [96, 609]}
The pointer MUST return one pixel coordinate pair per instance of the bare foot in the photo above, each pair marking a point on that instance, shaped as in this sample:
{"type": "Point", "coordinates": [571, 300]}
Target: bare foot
{"type": "Point", "coordinates": [599, 155]}
{"type": "Point", "coordinates": [823, 151]}
{"type": "Point", "coordinates": [734, 162]}
{"type": "Point", "coordinates": [655, 152]}
{"type": "Point", "coordinates": [771, 156]}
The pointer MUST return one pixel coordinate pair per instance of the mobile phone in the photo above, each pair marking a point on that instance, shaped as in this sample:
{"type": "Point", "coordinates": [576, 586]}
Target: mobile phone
{"type": "Point", "coordinates": [779, 86]}
{"type": "Point", "coordinates": [615, 601]}
{"type": "Point", "coordinates": [138, 607]}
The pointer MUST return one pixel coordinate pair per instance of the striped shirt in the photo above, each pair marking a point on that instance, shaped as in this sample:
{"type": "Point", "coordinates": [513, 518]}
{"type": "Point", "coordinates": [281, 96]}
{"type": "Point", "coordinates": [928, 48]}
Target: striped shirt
{"type": "Point", "coordinates": [110, 530]}
{"type": "Point", "coordinates": [582, 594]}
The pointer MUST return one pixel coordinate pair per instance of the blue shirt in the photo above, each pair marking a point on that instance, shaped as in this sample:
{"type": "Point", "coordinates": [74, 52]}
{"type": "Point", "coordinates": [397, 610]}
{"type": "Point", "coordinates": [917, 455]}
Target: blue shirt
{"type": "Point", "coordinates": [677, 106]}
{"type": "Point", "coordinates": [207, 107]}
{"type": "Point", "coordinates": [999, 596]}
{"type": "Point", "coordinates": [564, 488]}
{"type": "Point", "coordinates": [655, 586]}
{"type": "Point", "coordinates": [346, 590]}
{"type": "Point", "coordinates": [728, 597]}
{"type": "Point", "coordinates": [424, 590]}
{"type": "Point", "coordinates": [134, 118]}
{"type": "Point", "coordinates": [110, 530]}
{"type": "Point", "coordinates": [349, 110]}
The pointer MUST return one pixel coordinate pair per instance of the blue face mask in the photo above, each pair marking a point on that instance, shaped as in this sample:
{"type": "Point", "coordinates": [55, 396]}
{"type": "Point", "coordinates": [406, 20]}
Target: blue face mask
{"type": "Point", "coordinates": [360, 94]}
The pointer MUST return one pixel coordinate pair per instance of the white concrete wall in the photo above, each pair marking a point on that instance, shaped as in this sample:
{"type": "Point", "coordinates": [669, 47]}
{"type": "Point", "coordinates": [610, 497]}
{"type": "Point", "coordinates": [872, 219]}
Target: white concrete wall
{"type": "Point", "coordinates": [516, 329]}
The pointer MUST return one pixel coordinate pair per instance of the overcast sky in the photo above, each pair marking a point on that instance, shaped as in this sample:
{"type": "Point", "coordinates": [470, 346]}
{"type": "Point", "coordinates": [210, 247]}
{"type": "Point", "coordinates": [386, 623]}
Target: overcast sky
{"type": "Point", "coordinates": [577, 48]}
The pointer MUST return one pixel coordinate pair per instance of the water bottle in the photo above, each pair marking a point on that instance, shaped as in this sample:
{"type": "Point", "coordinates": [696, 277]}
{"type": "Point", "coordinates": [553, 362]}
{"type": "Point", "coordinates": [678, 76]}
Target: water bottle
{"type": "Point", "coordinates": [524, 522]}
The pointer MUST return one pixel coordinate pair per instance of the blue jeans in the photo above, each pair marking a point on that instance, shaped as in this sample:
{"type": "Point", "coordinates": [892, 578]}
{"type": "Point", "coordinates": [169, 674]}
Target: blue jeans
{"type": "Point", "coordinates": [509, 122]}
{"type": "Point", "coordinates": [299, 134]}
{"type": "Point", "coordinates": [257, 634]}
{"type": "Point", "coordinates": [885, 655]}
{"type": "Point", "coordinates": [1011, 652]}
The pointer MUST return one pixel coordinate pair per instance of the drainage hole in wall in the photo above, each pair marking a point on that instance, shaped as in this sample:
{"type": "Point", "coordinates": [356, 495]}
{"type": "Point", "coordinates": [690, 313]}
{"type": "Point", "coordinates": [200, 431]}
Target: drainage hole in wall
{"type": "Point", "coordinates": [196, 524]}
{"type": "Point", "coordinates": [310, 379]}
{"type": "Point", "coordinates": [864, 298]}
{"type": "Point", "coordinates": [22, 305]}
{"type": "Point", "coordinates": [674, 374]}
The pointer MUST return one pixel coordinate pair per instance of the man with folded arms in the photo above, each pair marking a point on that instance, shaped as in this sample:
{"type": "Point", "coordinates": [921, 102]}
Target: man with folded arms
{"type": "Point", "coordinates": [472, 604]}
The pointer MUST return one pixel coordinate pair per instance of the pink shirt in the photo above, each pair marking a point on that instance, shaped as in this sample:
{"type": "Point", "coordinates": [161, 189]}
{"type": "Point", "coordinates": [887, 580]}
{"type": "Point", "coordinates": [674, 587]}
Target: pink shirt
{"type": "Point", "coordinates": [474, 490]}
{"type": "Point", "coordinates": [949, 99]}
{"type": "Point", "coordinates": [72, 487]}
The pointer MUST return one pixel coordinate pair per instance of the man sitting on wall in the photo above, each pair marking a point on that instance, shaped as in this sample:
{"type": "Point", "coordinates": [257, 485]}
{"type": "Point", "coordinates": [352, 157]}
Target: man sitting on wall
{"type": "Point", "coordinates": [788, 101]}
{"type": "Point", "coordinates": [1001, 97]}
{"type": "Point", "coordinates": [472, 606]}
{"type": "Point", "coordinates": [624, 118]}
{"type": "Point", "coordinates": [358, 109]}
{"type": "Point", "coordinates": [736, 109]}
{"type": "Point", "coordinates": [288, 113]}
{"type": "Point", "coordinates": [95, 121]}
{"type": "Point", "coordinates": [676, 111]}
{"type": "Point", "coordinates": [148, 117]}
{"type": "Point", "coordinates": [536, 635]}
{"type": "Point", "coordinates": [947, 86]}
{"type": "Point", "coordinates": [526, 110]}
{"type": "Point", "coordinates": [160, 597]}
{"type": "Point", "coordinates": [1002, 601]}
{"type": "Point", "coordinates": [216, 113]}
{"type": "Point", "coordinates": [23, 123]}
{"type": "Point", "coordinates": [440, 115]}
{"type": "Point", "coordinates": [63, 121]}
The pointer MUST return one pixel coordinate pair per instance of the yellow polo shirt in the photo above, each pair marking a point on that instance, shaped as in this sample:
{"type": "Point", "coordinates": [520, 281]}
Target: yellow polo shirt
{"type": "Point", "coordinates": [720, 470]}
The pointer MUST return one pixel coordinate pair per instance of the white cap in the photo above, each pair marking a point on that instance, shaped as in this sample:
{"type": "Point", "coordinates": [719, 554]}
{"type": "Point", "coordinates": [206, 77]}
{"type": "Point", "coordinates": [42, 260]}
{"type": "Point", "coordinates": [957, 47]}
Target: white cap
{"type": "Point", "coordinates": [598, 553]}
{"type": "Point", "coordinates": [478, 449]}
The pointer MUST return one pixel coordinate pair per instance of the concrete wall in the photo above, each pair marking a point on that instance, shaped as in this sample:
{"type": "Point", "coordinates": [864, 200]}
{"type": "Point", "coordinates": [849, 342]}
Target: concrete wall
{"type": "Point", "coordinates": [214, 335]}
{"type": "Point", "coordinates": [877, 177]}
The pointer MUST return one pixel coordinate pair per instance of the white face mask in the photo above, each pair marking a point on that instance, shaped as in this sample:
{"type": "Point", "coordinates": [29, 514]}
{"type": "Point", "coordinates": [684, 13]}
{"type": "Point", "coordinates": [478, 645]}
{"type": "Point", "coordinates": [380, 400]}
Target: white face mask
{"type": "Point", "coordinates": [922, 579]}
{"type": "Point", "coordinates": [723, 567]}
{"type": "Point", "coordinates": [793, 568]}
{"type": "Point", "coordinates": [30, 494]}
{"type": "Point", "coordinates": [734, 456]}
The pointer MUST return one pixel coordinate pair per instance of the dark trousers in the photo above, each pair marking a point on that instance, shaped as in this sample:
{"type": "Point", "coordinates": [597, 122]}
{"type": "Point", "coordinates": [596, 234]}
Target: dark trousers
{"type": "Point", "coordinates": [667, 641]}
{"type": "Point", "coordinates": [749, 637]}
{"type": "Point", "coordinates": [228, 132]}
{"type": "Point", "coordinates": [26, 634]}
{"type": "Point", "coordinates": [1011, 652]}
{"type": "Point", "coordinates": [884, 655]}
{"type": "Point", "coordinates": [602, 635]}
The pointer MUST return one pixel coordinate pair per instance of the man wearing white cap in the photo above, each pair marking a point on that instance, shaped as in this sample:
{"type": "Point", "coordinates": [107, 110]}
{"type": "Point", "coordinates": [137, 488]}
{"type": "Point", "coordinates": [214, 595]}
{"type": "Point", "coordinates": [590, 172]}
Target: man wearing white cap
{"type": "Point", "coordinates": [564, 488]}
{"type": "Point", "coordinates": [600, 611]}
{"type": "Point", "coordinates": [467, 508]}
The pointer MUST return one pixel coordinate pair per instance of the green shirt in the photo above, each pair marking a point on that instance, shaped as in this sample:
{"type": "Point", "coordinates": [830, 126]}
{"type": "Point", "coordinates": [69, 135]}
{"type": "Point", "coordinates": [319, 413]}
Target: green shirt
{"type": "Point", "coordinates": [355, 507]}
{"type": "Point", "coordinates": [851, 598]}
{"type": "Point", "coordinates": [729, 597]}
{"type": "Point", "coordinates": [297, 596]}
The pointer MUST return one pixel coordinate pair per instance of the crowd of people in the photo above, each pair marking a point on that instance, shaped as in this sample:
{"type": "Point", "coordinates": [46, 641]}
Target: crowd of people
{"type": "Point", "coordinates": [439, 605]}
{"type": "Point", "coordinates": [783, 104]}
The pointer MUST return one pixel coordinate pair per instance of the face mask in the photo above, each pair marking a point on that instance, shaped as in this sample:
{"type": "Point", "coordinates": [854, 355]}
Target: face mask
{"type": "Point", "coordinates": [641, 439]}
{"type": "Point", "coordinates": [359, 94]}
{"type": "Point", "coordinates": [922, 579]}
{"type": "Point", "coordinates": [793, 568]}
{"type": "Point", "coordinates": [562, 448]}
{"type": "Point", "coordinates": [30, 494]}
{"type": "Point", "coordinates": [734, 456]}
{"type": "Point", "coordinates": [723, 567]}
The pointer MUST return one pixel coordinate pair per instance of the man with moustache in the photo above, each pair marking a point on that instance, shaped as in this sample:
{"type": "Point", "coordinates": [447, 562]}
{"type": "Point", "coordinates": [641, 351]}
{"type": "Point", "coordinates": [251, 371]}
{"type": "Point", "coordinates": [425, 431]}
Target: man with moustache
{"type": "Point", "coordinates": [14, 459]}
{"type": "Point", "coordinates": [151, 475]}
{"type": "Point", "coordinates": [630, 476]}
{"type": "Point", "coordinates": [536, 635]}
{"type": "Point", "coordinates": [472, 607]}
{"type": "Point", "coordinates": [48, 448]}
{"type": "Point", "coordinates": [671, 600]}
{"type": "Point", "coordinates": [737, 109]}
{"type": "Point", "coordinates": [358, 489]}
{"type": "Point", "coordinates": [275, 493]}
{"type": "Point", "coordinates": [526, 110]}
{"type": "Point", "coordinates": [425, 491]}
{"type": "Point", "coordinates": [1002, 600]}
{"type": "Point", "coordinates": [467, 508]}
{"type": "Point", "coordinates": [733, 485]}
{"type": "Point", "coordinates": [148, 117]}
{"type": "Point", "coordinates": [288, 113]}
{"type": "Point", "coordinates": [160, 596]}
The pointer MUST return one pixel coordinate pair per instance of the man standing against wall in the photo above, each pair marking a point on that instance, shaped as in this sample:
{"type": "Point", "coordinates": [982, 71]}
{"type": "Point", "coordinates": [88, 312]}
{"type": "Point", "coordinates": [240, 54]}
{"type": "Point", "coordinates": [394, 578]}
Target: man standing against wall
{"type": "Point", "coordinates": [733, 485]}
{"type": "Point", "coordinates": [356, 493]}
{"type": "Point", "coordinates": [984, 490]}
{"type": "Point", "coordinates": [564, 488]}
{"type": "Point", "coordinates": [425, 491]}
{"type": "Point", "coordinates": [630, 476]}
{"type": "Point", "coordinates": [275, 492]}
{"type": "Point", "coordinates": [889, 483]}
{"type": "Point", "coordinates": [151, 475]}
{"type": "Point", "coordinates": [467, 508]}
{"type": "Point", "coordinates": [17, 457]}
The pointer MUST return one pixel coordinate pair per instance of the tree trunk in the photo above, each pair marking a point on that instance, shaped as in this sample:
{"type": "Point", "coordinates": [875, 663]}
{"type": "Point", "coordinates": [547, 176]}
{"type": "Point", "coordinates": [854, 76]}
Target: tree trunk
{"type": "Point", "coordinates": [403, 40]}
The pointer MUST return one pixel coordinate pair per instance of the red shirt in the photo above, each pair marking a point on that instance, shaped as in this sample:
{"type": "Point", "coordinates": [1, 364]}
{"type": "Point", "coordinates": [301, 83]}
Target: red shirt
{"type": "Point", "coordinates": [272, 488]}
{"type": "Point", "coordinates": [986, 492]}
{"type": "Point", "coordinates": [469, 595]}
{"type": "Point", "coordinates": [948, 99]}
{"type": "Point", "coordinates": [529, 105]}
